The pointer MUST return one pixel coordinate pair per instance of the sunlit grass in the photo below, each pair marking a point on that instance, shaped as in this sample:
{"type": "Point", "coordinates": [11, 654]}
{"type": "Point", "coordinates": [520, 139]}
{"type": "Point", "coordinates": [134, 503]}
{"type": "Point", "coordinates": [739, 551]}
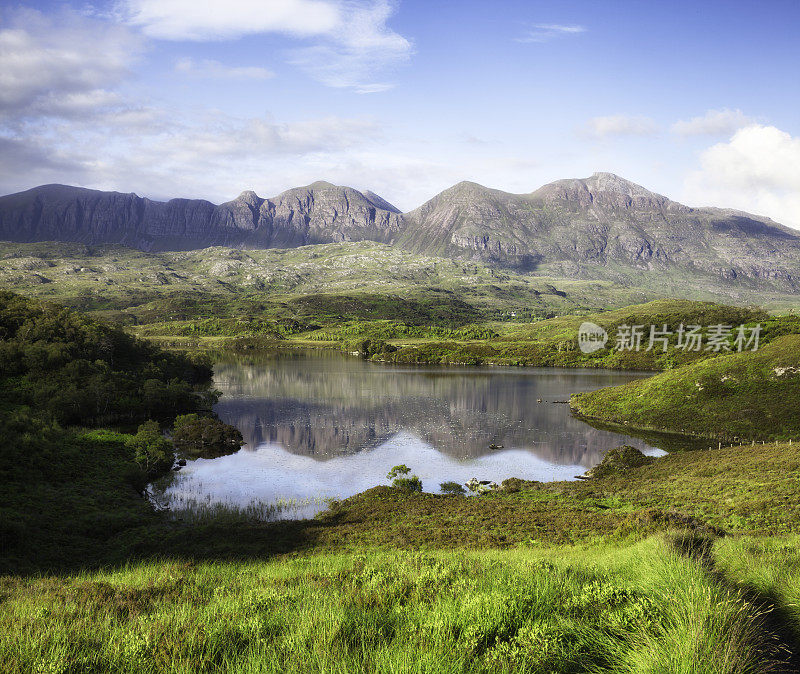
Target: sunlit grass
{"type": "Point", "coordinates": [641, 608]}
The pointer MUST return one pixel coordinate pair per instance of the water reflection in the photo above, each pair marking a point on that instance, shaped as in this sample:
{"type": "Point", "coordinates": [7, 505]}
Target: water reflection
{"type": "Point", "coordinates": [325, 426]}
{"type": "Point", "coordinates": [325, 406]}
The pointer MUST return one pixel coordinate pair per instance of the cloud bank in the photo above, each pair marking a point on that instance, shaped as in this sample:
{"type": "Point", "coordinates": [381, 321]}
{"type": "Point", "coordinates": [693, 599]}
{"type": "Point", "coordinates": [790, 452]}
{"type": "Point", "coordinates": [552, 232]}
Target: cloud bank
{"type": "Point", "coordinates": [758, 169]}
{"type": "Point", "coordinates": [352, 44]}
{"type": "Point", "coordinates": [61, 64]}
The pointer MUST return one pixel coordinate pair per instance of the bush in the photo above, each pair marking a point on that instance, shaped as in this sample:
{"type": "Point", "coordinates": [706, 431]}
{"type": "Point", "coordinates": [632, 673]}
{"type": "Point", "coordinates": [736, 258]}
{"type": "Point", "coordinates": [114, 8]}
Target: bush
{"type": "Point", "coordinates": [453, 488]}
{"type": "Point", "coordinates": [196, 436]}
{"type": "Point", "coordinates": [151, 450]}
{"type": "Point", "coordinates": [619, 460]}
{"type": "Point", "coordinates": [84, 372]}
{"type": "Point", "coordinates": [410, 484]}
{"type": "Point", "coordinates": [367, 348]}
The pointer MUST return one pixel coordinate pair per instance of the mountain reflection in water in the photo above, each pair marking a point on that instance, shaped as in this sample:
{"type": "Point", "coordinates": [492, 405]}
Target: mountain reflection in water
{"type": "Point", "coordinates": [320, 425]}
{"type": "Point", "coordinates": [326, 405]}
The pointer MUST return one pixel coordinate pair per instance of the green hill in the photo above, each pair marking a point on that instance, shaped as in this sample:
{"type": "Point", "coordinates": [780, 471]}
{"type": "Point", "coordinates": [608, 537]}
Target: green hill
{"type": "Point", "coordinates": [748, 395]}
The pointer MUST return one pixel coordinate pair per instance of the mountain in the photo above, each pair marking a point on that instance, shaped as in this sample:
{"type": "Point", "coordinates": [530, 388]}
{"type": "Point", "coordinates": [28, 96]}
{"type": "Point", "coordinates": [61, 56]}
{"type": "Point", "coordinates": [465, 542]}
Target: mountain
{"type": "Point", "coordinates": [318, 213]}
{"type": "Point", "coordinates": [602, 227]}
{"type": "Point", "coordinates": [599, 225]}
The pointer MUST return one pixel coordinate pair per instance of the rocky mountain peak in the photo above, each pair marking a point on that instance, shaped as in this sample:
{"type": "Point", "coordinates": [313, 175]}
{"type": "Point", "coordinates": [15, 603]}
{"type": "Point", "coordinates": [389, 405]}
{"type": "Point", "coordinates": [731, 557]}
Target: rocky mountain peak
{"type": "Point", "coordinates": [610, 182]}
{"type": "Point", "coordinates": [322, 185]}
{"type": "Point", "coordinates": [604, 191]}
{"type": "Point", "coordinates": [379, 202]}
{"type": "Point", "coordinates": [250, 198]}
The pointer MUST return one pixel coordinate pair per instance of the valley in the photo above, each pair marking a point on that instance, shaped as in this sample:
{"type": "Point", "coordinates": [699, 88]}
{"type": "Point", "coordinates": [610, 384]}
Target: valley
{"type": "Point", "coordinates": [333, 361]}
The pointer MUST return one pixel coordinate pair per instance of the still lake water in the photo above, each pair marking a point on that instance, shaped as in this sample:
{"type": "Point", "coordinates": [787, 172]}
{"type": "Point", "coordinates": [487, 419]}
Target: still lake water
{"type": "Point", "coordinates": [320, 425]}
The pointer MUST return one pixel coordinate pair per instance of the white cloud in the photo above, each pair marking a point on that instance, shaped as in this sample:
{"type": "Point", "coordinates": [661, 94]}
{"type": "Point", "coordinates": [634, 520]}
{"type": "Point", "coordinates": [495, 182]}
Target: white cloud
{"type": "Point", "coordinates": [265, 139]}
{"type": "Point", "coordinates": [712, 123]}
{"type": "Point", "coordinates": [64, 118]}
{"type": "Point", "coordinates": [158, 153]}
{"type": "Point", "coordinates": [192, 20]}
{"type": "Point", "coordinates": [35, 163]}
{"type": "Point", "coordinates": [361, 46]}
{"type": "Point", "coordinates": [216, 70]}
{"type": "Point", "coordinates": [757, 170]}
{"type": "Point", "coordinates": [544, 32]}
{"type": "Point", "coordinates": [61, 64]}
{"type": "Point", "coordinates": [352, 41]}
{"type": "Point", "coordinates": [619, 125]}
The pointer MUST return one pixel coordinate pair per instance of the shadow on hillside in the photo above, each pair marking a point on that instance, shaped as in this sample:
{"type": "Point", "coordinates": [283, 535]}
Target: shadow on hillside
{"type": "Point", "coordinates": [781, 639]}
{"type": "Point", "coordinates": [163, 540]}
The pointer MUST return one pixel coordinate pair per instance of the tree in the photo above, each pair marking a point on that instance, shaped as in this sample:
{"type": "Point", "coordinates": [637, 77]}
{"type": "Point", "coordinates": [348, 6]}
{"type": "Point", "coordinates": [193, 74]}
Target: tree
{"type": "Point", "coordinates": [197, 436]}
{"type": "Point", "coordinates": [410, 484]}
{"type": "Point", "coordinates": [151, 450]}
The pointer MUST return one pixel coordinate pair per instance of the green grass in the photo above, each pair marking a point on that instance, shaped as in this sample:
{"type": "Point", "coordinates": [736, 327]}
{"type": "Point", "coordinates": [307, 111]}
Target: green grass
{"type": "Point", "coordinates": [555, 577]}
{"type": "Point", "coordinates": [133, 287]}
{"type": "Point", "coordinates": [748, 395]}
{"type": "Point", "coordinates": [553, 342]}
{"type": "Point", "coordinates": [442, 341]}
{"type": "Point", "coordinates": [767, 567]}
{"type": "Point", "coordinates": [639, 608]}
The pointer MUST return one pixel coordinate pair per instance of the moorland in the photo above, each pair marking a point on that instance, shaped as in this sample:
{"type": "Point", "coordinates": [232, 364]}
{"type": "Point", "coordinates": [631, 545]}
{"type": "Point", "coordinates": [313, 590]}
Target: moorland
{"type": "Point", "coordinates": [654, 565]}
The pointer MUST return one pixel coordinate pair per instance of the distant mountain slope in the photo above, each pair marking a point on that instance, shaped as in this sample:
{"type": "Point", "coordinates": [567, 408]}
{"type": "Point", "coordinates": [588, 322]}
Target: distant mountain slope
{"type": "Point", "coordinates": [318, 213]}
{"type": "Point", "coordinates": [602, 227]}
{"type": "Point", "coordinates": [600, 224]}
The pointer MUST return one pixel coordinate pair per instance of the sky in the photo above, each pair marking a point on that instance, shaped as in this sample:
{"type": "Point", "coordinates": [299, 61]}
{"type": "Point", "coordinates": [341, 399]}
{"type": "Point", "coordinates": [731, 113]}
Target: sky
{"type": "Point", "coordinates": [699, 101]}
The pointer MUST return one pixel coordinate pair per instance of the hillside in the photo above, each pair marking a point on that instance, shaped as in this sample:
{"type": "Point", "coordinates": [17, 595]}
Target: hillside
{"type": "Point", "coordinates": [69, 487]}
{"type": "Point", "coordinates": [140, 286]}
{"type": "Point", "coordinates": [748, 395]}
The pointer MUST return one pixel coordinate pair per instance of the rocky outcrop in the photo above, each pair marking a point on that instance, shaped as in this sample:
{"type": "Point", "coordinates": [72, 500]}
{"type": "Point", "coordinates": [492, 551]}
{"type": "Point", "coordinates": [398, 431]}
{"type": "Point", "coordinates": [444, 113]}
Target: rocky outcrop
{"type": "Point", "coordinates": [319, 213]}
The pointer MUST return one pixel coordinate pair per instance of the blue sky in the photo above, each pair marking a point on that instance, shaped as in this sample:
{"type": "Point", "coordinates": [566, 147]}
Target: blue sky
{"type": "Point", "coordinates": [699, 101]}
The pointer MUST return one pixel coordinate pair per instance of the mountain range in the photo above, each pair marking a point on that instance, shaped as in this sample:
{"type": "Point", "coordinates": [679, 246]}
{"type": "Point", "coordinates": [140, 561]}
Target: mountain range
{"type": "Point", "coordinates": [595, 227]}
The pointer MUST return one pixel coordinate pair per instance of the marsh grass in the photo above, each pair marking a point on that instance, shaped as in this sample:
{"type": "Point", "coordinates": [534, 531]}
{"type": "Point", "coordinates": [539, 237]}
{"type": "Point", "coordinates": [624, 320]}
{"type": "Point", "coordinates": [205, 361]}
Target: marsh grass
{"type": "Point", "coordinates": [198, 508]}
{"type": "Point", "coordinates": [640, 608]}
{"type": "Point", "coordinates": [206, 511]}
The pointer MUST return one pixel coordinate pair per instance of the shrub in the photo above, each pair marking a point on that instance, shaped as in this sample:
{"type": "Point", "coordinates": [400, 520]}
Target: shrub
{"type": "Point", "coordinates": [367, 348]}
{"type": "Point", "coordinates": [451, 488]}
{"type": "Point", "coordinates": [411, 484]}
{"type": "Point", "coordinates": [197, 436]}
{"type": "Point", "coordinates": [619, 460]}
{"type": "Point", "coordinates": [151, 450]}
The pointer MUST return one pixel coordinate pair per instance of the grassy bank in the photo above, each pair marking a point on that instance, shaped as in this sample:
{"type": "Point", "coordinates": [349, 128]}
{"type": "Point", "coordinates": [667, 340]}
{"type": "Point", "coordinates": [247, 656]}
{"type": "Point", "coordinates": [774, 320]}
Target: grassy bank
{"type": "Point", "coordinates": [550, 342]}
{"type": "Point", "coordinates": [557, 577]}
{"type": "Point", "coordinates": [636, 608]}
{"type": "Point", "coordinates": [750, 395]}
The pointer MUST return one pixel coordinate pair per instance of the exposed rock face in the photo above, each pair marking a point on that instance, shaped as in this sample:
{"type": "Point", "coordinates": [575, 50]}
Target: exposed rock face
{"type": "Point", "coordinates": [319, 213]}
{"type": "Point", "coordinates": [572, 227]}
{"type": "Point", "coordinates": [598, 227]}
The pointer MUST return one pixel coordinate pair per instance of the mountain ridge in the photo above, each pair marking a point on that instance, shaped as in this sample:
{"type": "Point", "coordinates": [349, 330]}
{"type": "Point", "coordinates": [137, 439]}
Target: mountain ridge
{"type": "Point", "coordinates": [603, 226]}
